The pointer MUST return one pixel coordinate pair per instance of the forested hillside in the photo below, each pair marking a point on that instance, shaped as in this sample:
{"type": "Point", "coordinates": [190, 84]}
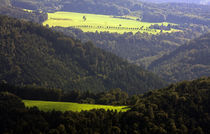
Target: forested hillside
{"type": "Point", "coordinates": [5, 2]}
{"type": "Point", "coordinates": [139, 48]}
{"type": "Point", "coordinates": [181, 108]}
{"type": "Point", "coordinates": [67, 65]}
{"type": "Point", "coordinates": [34, 92]}
{"type": "Point", "coordinates": [176, 13]}
{"type": "Point", "coordinates": [148, 12]}
{"type": "Point", "coordinates": [32, 54]}
{"type": "Point", "coordinates": [205, 2]}
{"type": "Point", "coordinates": [186, 62]}
{"type": "Point", "coordinates": [7, 9]}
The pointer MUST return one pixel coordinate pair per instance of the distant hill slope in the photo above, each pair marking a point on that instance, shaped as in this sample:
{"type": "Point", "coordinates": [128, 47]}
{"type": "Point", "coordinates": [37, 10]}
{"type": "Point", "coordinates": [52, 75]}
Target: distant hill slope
{"type": "Point", "coordinates": [187, 62]}
{"type": "Point", "coordinates": [5, 2]}
{"type": "Point", "coordinates": [7, 9]}
{"type": "Point", "coordinates": [179, 1]}
{"type": "Point", "coordinates": [181, 108]}
{"type": "Point", "coordinates": [179, 13]}
{"type": "Point", "coordinates": [30, 53]}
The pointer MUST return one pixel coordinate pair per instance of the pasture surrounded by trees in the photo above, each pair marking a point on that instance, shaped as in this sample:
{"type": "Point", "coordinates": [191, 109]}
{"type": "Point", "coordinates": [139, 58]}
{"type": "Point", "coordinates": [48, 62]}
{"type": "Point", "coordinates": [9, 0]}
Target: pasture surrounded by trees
{"type": "Point", "coordinates": [68, 106]}
{"type": "Point", "coordinates": [102, 23]}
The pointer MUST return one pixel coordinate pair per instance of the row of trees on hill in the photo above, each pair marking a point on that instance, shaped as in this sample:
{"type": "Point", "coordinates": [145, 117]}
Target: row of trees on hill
{"type": "Point", "coordinates": [113, 27]}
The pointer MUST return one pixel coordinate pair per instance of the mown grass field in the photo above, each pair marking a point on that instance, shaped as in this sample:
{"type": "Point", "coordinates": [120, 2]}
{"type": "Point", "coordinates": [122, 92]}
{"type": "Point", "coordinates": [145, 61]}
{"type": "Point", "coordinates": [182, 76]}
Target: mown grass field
{"type": "Point", "coordinates": [101, 23]}
{"type": "Point", "coordinates": [68, 106]}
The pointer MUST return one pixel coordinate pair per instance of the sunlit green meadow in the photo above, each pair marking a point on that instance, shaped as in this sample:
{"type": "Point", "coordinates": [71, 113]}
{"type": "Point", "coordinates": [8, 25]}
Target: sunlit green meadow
{"type": "Point", "coordinates": [68, 106]}
{"type": "Point", "coordinates": [101, 23]}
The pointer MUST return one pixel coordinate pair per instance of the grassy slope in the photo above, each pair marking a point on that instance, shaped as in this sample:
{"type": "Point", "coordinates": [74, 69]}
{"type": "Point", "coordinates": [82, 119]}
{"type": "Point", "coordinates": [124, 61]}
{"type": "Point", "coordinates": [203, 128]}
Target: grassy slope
{"type": "Point", "coordinates": [67, 106]}
{"type": "Point", "coordinates": [100, 23]}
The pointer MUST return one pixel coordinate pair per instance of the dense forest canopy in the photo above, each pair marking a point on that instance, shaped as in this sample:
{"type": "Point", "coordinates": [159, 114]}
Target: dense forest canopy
{"type": "Point", "coordinates": [141, 49]}
{"type": "Point", "coordinates": [179, 108]}
{"type": "Point", "coordinates": [19, 13]}
{"type": "Point", "coordinates": [32, 54]}
{"type": "Point", "coordinates": [38, 63]}
{"type": "Point", "coordinates": [204, 2]}
{"type": "Point", "coordinates": [186, 62]}
{"type": "Point", "coordinates": [175, 13]}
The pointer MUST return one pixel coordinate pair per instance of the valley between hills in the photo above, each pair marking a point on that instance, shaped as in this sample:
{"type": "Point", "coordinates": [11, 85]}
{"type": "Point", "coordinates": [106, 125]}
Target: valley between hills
{"type": "Point", "coordinates": [104, 67]}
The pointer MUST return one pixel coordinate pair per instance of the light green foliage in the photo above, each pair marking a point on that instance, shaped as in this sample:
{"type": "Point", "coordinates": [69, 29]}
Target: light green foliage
{"type": "Point", "coordinates": [67, 106]}
{"type": "Point", "coordinates": [102, 23]}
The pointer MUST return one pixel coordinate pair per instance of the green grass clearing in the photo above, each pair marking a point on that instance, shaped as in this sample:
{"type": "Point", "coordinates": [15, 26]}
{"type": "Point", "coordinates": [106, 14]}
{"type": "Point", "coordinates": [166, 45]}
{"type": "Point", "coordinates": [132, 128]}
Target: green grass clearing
{"type": "Point", "coordinates": [68, 106]}
{"type": "Point", "coordinates": [102, 23]}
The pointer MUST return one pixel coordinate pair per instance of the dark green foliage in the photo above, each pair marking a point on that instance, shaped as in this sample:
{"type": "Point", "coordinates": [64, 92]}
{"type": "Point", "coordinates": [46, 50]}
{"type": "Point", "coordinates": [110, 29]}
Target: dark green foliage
{"type": "Point", "coordinates": [150, 12]}
{"type": "Point", "coordinates": [186, 62]}
{"type": "Point", "coordinates": [14, 12]}
{"type": "Point", "coordinates": [31, 54]}
{"type": "Point", "coordinates": [109, 7]}
{"type": "Point", "coordinates": [139, 48]}
{"type": "Point", "coordinates": [25, 4]}
{"type": "Point", "coordinates": [153, 17]}
{"type": "Point", "coordinates": [33, 92]}
{"type": "Point", "coordinates": [10, 101]}
{"type": "Point", "coordinates": [179, 1]}
{"type": "Point", "coordinates": [16, 119]}
{"type": "Point", "coordinates": [178, 109]}
{"type": "Point", "coordinates": [176, 13]}
{"type": "Point", "coordinates": [96, 7]}
{"type": "Point", "coordinates": [111, 97]}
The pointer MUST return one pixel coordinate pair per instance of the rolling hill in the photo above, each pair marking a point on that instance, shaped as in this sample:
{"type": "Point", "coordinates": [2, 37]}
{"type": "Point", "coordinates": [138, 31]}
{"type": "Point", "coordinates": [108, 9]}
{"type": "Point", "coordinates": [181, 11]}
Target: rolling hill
{"type": "Point", "coordinates": [180, 108]}
{"type": "Point", "coordinates": [15, 12]}
{"type": "Point", "coordinates": [178, 13]}
{"type": "Point", "coordinates": [204, 2]}
{"type": "Point", "coordinates": [187, 62]}
{"type": "Point", "coordinates": [33, 54]}
{"type": "Point", "coordinates": [39, 63]}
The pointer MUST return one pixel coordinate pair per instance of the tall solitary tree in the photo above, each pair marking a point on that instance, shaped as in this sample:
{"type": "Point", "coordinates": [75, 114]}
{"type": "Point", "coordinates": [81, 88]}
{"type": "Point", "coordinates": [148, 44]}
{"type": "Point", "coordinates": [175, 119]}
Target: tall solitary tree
{"type": "Point", "coordinates": [84, 18]}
